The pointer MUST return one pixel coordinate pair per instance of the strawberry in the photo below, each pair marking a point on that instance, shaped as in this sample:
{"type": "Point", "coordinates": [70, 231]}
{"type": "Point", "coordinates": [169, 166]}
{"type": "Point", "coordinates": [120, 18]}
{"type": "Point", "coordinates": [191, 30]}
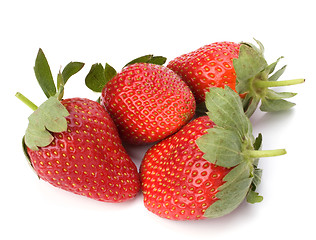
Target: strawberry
{"type": "Point", "coordinates": [242, 67]}
{"type": "Point", "coordinates": [73, 143]}
{"type": "Point", "coordinates": [207, 168]}
{"type": "Point", "coordinates": [147, 101]}
{"type": "Point", "coordinates": [177, 182]}
{"type": "Point", "coordinates": [208, 66]}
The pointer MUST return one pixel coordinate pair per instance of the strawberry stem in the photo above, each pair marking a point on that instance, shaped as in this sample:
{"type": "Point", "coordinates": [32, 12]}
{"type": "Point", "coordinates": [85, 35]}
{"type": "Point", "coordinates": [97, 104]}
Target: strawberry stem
{"type": "Point", "coordinates": [25, 100]}
{"type": "Point", "coordinates": [266, 84]}
{"type": "Point", "coordinates": [265, 153]}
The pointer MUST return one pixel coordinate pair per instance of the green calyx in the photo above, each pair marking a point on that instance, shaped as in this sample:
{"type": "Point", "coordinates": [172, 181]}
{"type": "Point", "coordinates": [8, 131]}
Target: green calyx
{"type": "Point", "coordinates": [255, 77]}
{"type": "Point", "coordinates": [99, 76]}
{"type": "Point", "coordinates": [51, 115]}
{"type": "Point", "coordinates": [231, 144]}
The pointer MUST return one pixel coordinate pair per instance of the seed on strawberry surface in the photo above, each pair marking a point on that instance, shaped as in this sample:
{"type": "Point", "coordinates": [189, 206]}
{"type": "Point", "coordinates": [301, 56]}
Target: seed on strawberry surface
{"type": "Point", "coordinates": [206, 169]}
{"type": "Point", "coordinates": [242, 67]}
{"type": "Point", "coordinates": [88, 158]}
{"type": "Point", "coordinates": [209, 66]}
{"type": "Point", "coordinates": [147, 102]}
{"type": "Point", "coordinates": [73, 144]}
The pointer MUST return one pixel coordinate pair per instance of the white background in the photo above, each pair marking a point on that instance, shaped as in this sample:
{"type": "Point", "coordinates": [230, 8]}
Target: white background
{"type": "Point", "coordinates": [116, 32]}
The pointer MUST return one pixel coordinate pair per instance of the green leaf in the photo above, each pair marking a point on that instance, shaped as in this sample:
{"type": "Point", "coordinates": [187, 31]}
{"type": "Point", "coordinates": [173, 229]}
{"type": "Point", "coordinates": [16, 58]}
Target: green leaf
{"type": "Point", "coordinates": [253, 78]}
{"type": "Point", "coordinates": [24, 147]}
{"type": "Point", "coordinates": [258, 142]}
{"type": "Point", "coordinates": [221, 147]}
{"type": "Point", "coordinates": [142, 59]}
{"type": "Point", "coordinates": [98, 76]}
{"type": "Point", "coordinates": [225, 109]}
{"type": "Point", "coordinates": [71, 69]}
{"type": "Point", "coordinates": [275, 105]}
{"type": "Point", "coordinates": [60, 86]}
{"type": "Point", "coordinates": [250, 104]}
{"type": "Point", "coordinates": [231, 144]}
{"type": "Point", "coordinates": [270, 69]}
{"type": "Point", "coordinates": [96, 80]}
{"type": "Point", "coordinates": [232, 193]}
{"type": "Point", "coordinates": [248, 64]}
{"type": "Point", "coordinates": [279, 95]}
{"type": "Point", "coordinates": [109, 72]}
{"type": "Point", "coordinates": [277, 74]}
{"type": "Point", "coordinates": [256, 178]}
{"type": "Point", "coordinates": [158, 60]}
{"type": "Point", "coordinates": [254, 197]}
{"type": "Point", "coordinates": [224, 144]}
{"type": "Point", "coordinates": [60, 81]}
{"type": "Point", "coordinates": [49, 117]}
{"type": "Point", "coordinates": [43, 74]}
{"type": "Point", "coordinates": [257, 146]}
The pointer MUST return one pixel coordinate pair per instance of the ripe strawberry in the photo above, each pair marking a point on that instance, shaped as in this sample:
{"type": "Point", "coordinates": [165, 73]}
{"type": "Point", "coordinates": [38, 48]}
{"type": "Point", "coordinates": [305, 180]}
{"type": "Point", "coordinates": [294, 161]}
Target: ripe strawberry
{"type": "Point", "coordinates": [207, 168]}
{"type": "Point", "coordinates": [147, 102]}
{"type": "Point", "coordinates": [73, 144]}
{"type": "Point", "coordinates": [242, 67]}
{"type": "Point", "coordinates": [208, 66]}
{"type": "Point", "coordinates": [178, 183]}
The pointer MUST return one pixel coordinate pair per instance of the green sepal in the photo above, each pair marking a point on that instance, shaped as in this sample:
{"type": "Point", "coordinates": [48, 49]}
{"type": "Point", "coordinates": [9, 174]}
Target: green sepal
{"type": "Point", "coordinates": [225, 109]}
{"type": "Point", "coordinates": [258, 142]}
{"type": "Point", "coordinates": [109, 72]}
{"type": "Point", "coordinates": [232, 128]}
{"type": "Point", "coordinates": [231, 144]}
{"type": "Point", "coordinates": [60, 86]}
{"type": "Point", "coordinates": [44, 75]}
{"type": "Point", "coordinates": [49, 117]}
{"type": "Point", "coordinates": [279, 95]}
{"type": "Point", "coordinates": [71, 69]}
{"type": "Point", "coordinates": [99, 76]}
{"type": "Point", "coordinates": [45, 78]}
{"type": "Point", "coordinates": [232, 192]}
{"type": "Point", "coordinates": [24, 147]}
{"type": "Point", "coordinates": [278, 73]}
{"type": "Point", "coordinates": [254, 197]}
{"type": "Point", "coordinates": [275, 105]}
{"type": "Point", "coordinates": [254, 77]}
{"type": "Point", "coordinates": [226, 145]}
{"type": "Point", "coordinates": [249, 63]}
{"type": "Point", "coordinates": [158, 60]}
{"type": "Point", "coordinates": [62, 77]}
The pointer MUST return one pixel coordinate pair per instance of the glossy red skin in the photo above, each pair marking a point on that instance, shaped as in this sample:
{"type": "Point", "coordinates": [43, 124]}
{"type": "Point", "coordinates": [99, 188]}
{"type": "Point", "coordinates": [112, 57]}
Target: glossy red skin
{"type": "Point", "coordinates": [177, 182]}
{"type": "Point", "coordinates": [208, 66]}
{"type": "Point", "coordinates": [88, 159]}
{"type": "Point", "coordinates": [148, 102]}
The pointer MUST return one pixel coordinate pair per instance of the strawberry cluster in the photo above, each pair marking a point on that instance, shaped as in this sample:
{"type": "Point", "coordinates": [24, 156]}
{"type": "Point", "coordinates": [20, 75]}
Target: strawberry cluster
{"type": "Point", "coordinates": [195, 113]}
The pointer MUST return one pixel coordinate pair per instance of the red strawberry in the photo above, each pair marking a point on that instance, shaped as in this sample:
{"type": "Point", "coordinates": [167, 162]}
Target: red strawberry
{"type": "Point", "coordinates": [242, 67]}
{"type": "Point", "coordinates": [205, 170]}
{"type": "Point", "coordinates": [73, 144]}
{"type": "Point", "coordinates": [208, 66]}
{"type": "Point", "coordinates": [147, 102]}
{"type": "Point", "coordinates": [178, 183]}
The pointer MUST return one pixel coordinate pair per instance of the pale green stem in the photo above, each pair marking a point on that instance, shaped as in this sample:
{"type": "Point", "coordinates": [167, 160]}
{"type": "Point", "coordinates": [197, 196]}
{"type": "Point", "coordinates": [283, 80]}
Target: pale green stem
{"type": "Point", "coordinates": [265, 153]}
{"type": "Point", "coordinates": [25, 100]}
{"type": "Point", "coordinates": [266, 84]}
